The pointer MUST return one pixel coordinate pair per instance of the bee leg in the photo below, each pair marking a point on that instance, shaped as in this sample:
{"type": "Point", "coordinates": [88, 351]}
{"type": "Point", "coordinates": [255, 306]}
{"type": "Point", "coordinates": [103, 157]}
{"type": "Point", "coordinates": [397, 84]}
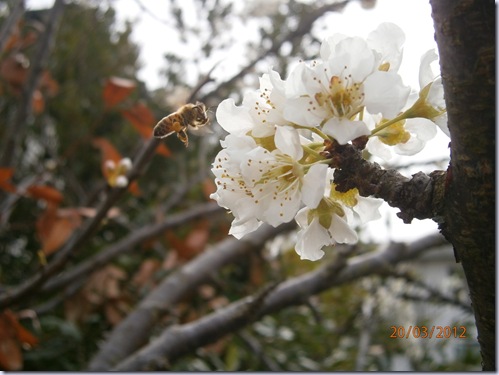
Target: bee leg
{"type": "Point", "coordinates": [182, 135]}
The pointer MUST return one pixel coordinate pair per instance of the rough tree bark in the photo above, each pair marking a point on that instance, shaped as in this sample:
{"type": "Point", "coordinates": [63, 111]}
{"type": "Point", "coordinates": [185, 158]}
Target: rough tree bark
{"type": "Point", "coordinates": [465, 33]}
{"type": "Point", "coordinates": [462, 199]}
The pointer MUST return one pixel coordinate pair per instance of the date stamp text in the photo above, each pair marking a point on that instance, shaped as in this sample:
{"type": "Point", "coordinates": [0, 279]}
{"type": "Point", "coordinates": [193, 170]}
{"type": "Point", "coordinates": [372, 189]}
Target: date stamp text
{"type": "Point", "coordinates": [424, 332]}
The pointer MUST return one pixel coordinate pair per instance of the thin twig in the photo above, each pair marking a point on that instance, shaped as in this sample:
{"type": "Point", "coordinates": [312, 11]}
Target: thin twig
{"type": "Point", "coordinates": [15, 130]}
{"type": "Point", "coordinates": [253, 344]}
{"type": "Point", "coordinates": [304, 26]}
{"type": "Point", "coordinates": [10, 22]}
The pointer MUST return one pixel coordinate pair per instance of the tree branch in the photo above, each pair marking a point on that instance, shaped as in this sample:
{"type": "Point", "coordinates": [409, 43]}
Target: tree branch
{"type": "Point", "coordinates": [179, 340]}
{"type": "Point", "coordinates": [135, 329]}
{"type": "Point", "coordinates": [465, 34]}
{"type": "Point", "coordinates": [420, 197]}
{"type": "Point", "coordinates": [127, 244]}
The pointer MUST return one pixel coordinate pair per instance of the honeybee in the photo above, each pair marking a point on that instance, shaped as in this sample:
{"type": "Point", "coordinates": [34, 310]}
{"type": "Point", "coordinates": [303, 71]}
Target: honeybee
{"type": "Point", "coordinates": [193, 116]}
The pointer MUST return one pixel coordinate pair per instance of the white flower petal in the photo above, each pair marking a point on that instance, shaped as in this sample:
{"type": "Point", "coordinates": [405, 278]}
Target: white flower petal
{"type": "Point", "coordinates": [282, 209]}
{"type": "Point", "coordinates": [287, 140]}
{"type": "Point", "coordinates": [426, 74]}
{"type": "Point", "coordinates": [328, 46]}
{"type": "Point", "coordinates": [367, 209]}
{"type": "Point", "coordinates": [356, 56]}
{"type": "Point", "coordinates": [345, 130]}
{"type": "Point", "coordinates": [341, 232]}
{"type": "Point", "coordinates": [379, 149]}
{"type": "Point", "coordinates": [436, 94]}
{"type": "Point", "coordinates": [301, 82]}
{"type": "Point", "coordinates": [424, 129]}
{"type": "Point", "coordinates": [234, 119]}
{"type": "Point", "coordinates": [441, 122]}
{"type": "Point", "coordinates": [298, 111]}
{"type": "Point", "coordinates": [311, 238]}
{"type": "Point", "coordinates": [385, 93]}
{"type": "Point", "coordinates": [388, 39]}
{"type": "Point", "coordinates": [240, 228]}
{"type": "Point", "coordinates": [314, 184]}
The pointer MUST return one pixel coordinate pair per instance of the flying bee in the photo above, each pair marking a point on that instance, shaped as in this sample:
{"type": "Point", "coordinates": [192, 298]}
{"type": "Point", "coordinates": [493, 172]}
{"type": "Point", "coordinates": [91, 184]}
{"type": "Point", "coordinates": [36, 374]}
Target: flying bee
{"type": "Point", "coordinates": [192, 116]}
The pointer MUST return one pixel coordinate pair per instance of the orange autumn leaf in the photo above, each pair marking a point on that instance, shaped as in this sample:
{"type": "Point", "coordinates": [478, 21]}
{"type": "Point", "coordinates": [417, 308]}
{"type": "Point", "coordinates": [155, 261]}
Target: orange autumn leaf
{"type": "Point", "coordinates": [48, 84]}
{"type": "Point", "coordinates": [38, 102]}
{"type": "Point", "coordinates": [55, 226]}
{"type": "Point", "coordinates": [116, 90]}
{"type": "Point", "coordinates": [20, 39]}
{"type": "Point", "coordinates": [47, 193]}
{"type": "Point", "coordinates": [193, 244]}
{"type": "Point", "coordinates": [5, 176]}
{"type": "Point", "coordinates": [163, 150]}
{"type": "Point", "coordinates": [108, 151]}
{"type": "Point", "coordinates": [143, 120]}
{"type": "Point", "coordinates": [14, 70]}
{"type": "Point", "coordinates": [12, 336]}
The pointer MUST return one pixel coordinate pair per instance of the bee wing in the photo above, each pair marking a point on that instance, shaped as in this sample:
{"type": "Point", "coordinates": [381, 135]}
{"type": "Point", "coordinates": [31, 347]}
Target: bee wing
{"type": "Point", "coordinates": [161, 130]}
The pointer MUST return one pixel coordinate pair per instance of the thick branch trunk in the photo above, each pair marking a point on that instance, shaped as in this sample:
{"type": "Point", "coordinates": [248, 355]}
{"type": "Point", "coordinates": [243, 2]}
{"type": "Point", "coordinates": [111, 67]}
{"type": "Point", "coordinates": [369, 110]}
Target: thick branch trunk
{"type": "Point", "coordinates": [465, 33]}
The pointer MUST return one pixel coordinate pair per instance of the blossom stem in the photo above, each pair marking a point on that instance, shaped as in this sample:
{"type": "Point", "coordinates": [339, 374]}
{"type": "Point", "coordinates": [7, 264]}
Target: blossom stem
{"type": "Point", "coordinates": [315, 130]}
{"type": "Point", "coordinates": [311, 151]}
{"type": "Point", "coordinates": [400, 117]}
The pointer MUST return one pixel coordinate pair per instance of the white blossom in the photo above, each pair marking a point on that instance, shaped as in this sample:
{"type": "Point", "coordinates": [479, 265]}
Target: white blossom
{"type": "Point", "coordinates": [331, 221]}
{"type": "Point", "coordinates": [333, 93]}
{"type": "Point", "coordinates": [260, 111]}
{"type": "Point", "coordinates": [272, 167]}
{"type": "Point", "coordinates": [259, 185]}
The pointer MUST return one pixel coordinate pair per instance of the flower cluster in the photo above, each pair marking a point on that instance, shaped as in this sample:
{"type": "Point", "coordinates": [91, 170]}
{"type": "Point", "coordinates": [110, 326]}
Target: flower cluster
{"type": "Point", "coordinates": [116, 173]}
{"type": "Point", "coordinates": [272, 169]}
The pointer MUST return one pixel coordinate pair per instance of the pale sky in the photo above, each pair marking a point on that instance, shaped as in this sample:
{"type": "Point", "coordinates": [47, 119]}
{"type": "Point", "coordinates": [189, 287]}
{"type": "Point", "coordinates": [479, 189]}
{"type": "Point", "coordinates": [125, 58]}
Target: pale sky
{"type": "Point", "coordinates": [413, 16]}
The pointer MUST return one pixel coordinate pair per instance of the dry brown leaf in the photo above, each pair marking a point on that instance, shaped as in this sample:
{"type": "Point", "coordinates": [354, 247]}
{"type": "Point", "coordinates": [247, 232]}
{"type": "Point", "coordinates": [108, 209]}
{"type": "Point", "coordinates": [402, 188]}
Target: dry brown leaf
{"type": "Point", "coordinates": [142, 119]}
{"type": "Point", "coordinates": [14, 70]}
{"type": "Point", "coordinates": [104, 284]}
{"type": "Point", "coordinates": [144, 275]}
{"type": "Point", "coordinates": [45, 192]}
{"type": "Point", "coordinates": [5, 176]}
{"type": "Point", "coordinates": [38, 102]}
{"type": "Point", "coordinates": [55, 226]}
{"type": "Point", "coordinates": [12, 336]}
{"type": "Point", "coordinates": [194, 243]}
{"type": "Point", "coordinates": [77, 307]}
{"type": "Point", "coordinates": [116, 310]}
{"type": "Point", "coordinates": [116, 90]}
{"type": "Point", "coordinates": [108, 152]}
